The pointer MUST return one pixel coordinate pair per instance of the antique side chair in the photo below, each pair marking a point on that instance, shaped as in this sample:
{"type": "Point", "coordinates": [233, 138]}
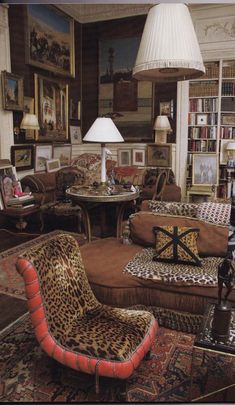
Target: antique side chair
{"type": "Point", "coordinates": [70, 324]}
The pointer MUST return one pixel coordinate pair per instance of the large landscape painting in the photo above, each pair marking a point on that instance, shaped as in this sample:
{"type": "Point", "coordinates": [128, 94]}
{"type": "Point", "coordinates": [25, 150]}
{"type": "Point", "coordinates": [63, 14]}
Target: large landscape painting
{"type": "Point", "coordinates": [127, 101]}
{"type": "Point", "coordinates": [50, 39]}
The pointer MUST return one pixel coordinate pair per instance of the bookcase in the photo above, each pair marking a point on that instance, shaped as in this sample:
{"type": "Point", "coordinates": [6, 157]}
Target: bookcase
{"type": "Point", "coordinates": [211, 122]}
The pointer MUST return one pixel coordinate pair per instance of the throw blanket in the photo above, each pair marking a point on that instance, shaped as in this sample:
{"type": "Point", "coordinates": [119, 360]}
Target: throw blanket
{"type": "Point", "coordinates": [143, 266]}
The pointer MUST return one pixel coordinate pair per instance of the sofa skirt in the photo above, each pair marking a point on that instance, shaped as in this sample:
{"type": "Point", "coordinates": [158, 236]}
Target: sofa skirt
{"type": "Point", "coordinates": [104, 260]}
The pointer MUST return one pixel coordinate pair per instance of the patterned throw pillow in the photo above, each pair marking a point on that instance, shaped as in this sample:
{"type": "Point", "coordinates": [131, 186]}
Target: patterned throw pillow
{"type": "Point", "coordinates": [177, 245]}
{"type": "Point", "coordinates": [215, 213]}
{"type": "Point", "coordinates": [174, 208]}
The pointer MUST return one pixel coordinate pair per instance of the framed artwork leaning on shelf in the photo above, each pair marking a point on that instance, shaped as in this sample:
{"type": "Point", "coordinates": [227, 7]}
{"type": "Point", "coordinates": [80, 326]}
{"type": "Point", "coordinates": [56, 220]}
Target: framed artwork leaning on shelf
{"type": "Point", "coordinates": [205, 169]}
{"type": "Point", "coordinates": [124, 157]}
{"type": "Point", "coordinates": [138, 157]}
{"type": "Point", "coordinates": [22, 156]}
{"type": "Point", "coordinates": [63, 153]}
{"type": "Point", "coordinates": [42, 154]}
{"type": "Point", "coordinates": [159, 155]}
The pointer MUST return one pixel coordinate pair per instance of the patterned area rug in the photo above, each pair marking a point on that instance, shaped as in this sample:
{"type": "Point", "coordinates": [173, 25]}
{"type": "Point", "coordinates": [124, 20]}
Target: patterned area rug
{"type": "Point", "coordinates": [29, 375]}
{"type": "Point", "coordinates": [10, 281]}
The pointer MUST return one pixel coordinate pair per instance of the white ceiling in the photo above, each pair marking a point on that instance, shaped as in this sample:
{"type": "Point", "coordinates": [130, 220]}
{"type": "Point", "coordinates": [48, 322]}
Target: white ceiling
{"type": "Point", "coordinates": [91, 12]}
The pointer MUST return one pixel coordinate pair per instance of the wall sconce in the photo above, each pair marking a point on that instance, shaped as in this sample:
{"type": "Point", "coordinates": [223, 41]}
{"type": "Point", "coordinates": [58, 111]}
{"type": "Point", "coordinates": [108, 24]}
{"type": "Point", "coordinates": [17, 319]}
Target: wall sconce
{"type": "Point", "coordinates": [161, 127]}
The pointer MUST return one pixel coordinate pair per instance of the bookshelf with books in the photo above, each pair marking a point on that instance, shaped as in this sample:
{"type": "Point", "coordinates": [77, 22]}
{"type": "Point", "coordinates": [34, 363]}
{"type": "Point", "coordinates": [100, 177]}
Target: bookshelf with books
{"type": "Point", "coordinates": [211, 115]}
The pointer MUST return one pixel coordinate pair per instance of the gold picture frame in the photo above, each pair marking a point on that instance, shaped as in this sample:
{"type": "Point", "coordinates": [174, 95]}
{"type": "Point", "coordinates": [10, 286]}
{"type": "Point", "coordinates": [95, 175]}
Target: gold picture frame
{"type": "Point", "coordinates": [51, 108]}
{"type": "Point", "coordinates": [12, 91]}
{"type": "Point", "coordinates": [50, 39]}
{"type": "Point", "coordinates": [159, 155]}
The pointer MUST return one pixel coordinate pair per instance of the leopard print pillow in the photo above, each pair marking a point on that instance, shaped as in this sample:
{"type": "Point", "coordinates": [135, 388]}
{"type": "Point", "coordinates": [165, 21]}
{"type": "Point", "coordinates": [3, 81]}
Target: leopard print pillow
{"type": "Point", "coordinates": [174, 208]}
{"type": "Point", "coordinates": [177, 245]}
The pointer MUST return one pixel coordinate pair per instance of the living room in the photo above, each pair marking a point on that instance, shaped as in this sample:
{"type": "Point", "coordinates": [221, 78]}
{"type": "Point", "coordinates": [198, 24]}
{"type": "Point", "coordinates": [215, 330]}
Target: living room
{"type": "Point", "coordinates": [110, 164]}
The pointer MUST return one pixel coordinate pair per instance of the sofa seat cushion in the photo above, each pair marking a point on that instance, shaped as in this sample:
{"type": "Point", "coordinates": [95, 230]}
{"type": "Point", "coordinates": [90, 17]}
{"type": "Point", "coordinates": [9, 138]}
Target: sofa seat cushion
{"type": "Point", "coordinates": [212, 239]}
{"type": "Point", "coordinates": [114, 287]}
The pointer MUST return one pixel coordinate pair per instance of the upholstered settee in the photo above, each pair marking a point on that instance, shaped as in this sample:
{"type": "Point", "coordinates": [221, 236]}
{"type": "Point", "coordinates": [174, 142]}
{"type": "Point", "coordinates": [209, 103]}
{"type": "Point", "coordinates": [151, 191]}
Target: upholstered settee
{"type": "Point", "coordinates": [121, 278]}
{"type": "Point", "coordinates": [43, 185]}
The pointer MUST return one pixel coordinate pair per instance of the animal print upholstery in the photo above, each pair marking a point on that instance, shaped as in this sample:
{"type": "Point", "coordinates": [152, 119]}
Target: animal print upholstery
{"type": "Point", "coordinates": [143, 266]}
{"type": "Point", "coordinates": [174, 208]}
{"type": "Point", "coordinates": [176, 244]}
{"type": "Point", "coordinates": [75, 318]}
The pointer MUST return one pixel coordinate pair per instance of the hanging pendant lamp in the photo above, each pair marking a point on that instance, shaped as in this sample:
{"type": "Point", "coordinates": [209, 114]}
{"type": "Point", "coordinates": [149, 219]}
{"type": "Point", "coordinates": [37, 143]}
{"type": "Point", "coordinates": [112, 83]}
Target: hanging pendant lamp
{"type": "Point", "coordinates": [169, 50]}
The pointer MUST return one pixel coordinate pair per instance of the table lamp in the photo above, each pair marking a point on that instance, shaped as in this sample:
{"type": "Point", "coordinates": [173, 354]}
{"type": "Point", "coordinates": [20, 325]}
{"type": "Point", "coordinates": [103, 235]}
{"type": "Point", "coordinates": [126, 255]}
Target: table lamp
{"type": "Point", "coordinates": [103, 130]}
{"type": "Point", "coordinates": [29, 121]}
{"type": "Point", "coordinates": [161, 127]}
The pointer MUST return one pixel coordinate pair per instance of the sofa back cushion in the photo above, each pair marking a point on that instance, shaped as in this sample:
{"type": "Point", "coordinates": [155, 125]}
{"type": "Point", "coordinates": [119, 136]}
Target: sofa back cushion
{"type": "Point", "coordinates": [212, 239]}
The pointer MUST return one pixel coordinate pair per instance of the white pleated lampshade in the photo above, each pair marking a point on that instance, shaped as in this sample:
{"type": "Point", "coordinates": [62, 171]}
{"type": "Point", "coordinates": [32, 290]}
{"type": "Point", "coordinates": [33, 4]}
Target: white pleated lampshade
{"type": "Point", "coordinates": [29, 121]}
{"type": "Point", "coordinates": [103, 130]}
{"type": "Point", "coordinates": [169, 50]}
{"type": "Point", "coordinates": [162, 123]}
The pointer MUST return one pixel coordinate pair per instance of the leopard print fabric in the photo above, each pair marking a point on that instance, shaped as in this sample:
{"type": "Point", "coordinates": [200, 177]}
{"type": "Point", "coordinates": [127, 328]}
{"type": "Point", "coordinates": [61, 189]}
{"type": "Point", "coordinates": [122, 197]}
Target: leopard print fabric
{"type": "Point", "coordinates": [174, 208]}
{"type": "Point", "coordinates": [75, 318]}
{"type": "Point", "coordinates": [143, 266]}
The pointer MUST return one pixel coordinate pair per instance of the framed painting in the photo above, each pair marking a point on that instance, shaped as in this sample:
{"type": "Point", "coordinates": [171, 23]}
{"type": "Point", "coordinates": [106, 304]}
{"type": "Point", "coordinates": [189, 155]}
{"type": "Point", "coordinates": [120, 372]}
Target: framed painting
{"type": "Point", "coordinates": [75, 135]}
{"type": "Point", "coordinates": [159, 155]}
{"type": "Point", "coordinates": [124, 157]}
{"type": "Point", "coordinates": [63, 153]}
{"type": "Point", "coordinates": [51, 108]}
{"type": "Point", "coordinates": [8, 178]}
{"type": "Point", "coordinates": [50, 39]}
{"type": "Point", "coordinates": [122, 98]}
{"type": "Point", "coordinates": [29, 108]}
{"type": "Point", "coordinates": [205, 170]}
{"type": "Point", "coordinates": [12, 91]}
{"type": "Point", "coordinates": [22, 157]}
{"type": "Point", "coordinates": [223, 151]}
{"type": "Point", "coordinates": [138, 157]}
{"type": "Point", "coordinates": [166, 108]}
{"type": "Point", "coordinates": [42, 154]}
{"type": "Point", "coordinates": [52, 165]}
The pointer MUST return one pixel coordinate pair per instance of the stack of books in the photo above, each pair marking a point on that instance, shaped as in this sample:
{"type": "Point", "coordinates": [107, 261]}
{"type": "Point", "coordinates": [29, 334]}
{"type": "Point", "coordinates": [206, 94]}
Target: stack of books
{"type": "Point", "coordinates": [24, 201]}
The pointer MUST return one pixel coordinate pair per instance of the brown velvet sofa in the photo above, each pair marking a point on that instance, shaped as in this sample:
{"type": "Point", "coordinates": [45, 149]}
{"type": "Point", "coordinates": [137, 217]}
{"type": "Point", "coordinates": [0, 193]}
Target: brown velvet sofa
{"type": "Point", "coordinates": [43, 185]}
{"type": "Point", "coordinates": [105, 260]}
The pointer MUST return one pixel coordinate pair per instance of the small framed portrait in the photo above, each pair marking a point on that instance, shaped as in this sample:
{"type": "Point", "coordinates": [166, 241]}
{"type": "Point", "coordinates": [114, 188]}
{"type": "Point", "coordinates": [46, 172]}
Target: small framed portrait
{"type": "Point", "coordinates": [138, 157]}
{"type": "Point", "coordinates": [159, 155]}
{"type": "Point", "coordinates": [52, 165]}
{"type": "Point", "coordinates": [42, 154]}
{"type": "Point", "coordinates": [205, 169]}
{"type": "Point", "coordinates": [166, 108]}
{"type": "Point", "coordinates": [201, 119]}
{"type": "Point", "coordinates": [63, 153]}
{"type": "Point", "coordinates": [22, 156]}
{"type": "Point", "coordinates": [75, 135]}
{"type": "Point", "coordinates": [13, 92]}
{"type": "Point", "coordinates": [124, 157]}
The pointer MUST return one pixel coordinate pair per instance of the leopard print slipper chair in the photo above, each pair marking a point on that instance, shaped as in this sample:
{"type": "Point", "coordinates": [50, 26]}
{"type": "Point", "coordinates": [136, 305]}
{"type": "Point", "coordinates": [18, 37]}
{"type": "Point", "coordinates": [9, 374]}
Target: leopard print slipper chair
{"type": "Point", "coordinates": [70, 324]}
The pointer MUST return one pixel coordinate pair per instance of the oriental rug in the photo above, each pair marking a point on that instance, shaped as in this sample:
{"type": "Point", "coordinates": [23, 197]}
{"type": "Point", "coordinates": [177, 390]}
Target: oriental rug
{"type": "Point", "coordinates": [29, 375]}
{"type": "Point", "coordinates": [11, 282]}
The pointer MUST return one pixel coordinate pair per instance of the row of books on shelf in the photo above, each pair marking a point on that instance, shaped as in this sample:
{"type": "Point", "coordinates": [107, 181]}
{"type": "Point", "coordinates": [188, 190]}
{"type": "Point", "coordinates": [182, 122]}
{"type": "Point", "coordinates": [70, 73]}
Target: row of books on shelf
{"type": "Point", "coordinates": [228, 89]}
{"type": "Point", "coordinates": [202, 119]}
{"type": "Point", "coordinates": [202, 132]}
{"type": "Point", "coordinates": [203, 89]}
{"type": "Point", "coordinates": [211, 70]}
{"type": "Point", "coordinates": [227, 132]}
{"type": "Point", "coordinates": [228, 70]}
{"type": "Point", "coordinates": [203, 104]}
{"type": "Point", "coordinates": [198, 145]}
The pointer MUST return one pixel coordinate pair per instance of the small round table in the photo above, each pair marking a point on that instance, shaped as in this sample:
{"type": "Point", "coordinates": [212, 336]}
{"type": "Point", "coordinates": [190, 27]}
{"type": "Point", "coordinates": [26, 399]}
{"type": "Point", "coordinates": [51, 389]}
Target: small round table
{"type": "Point", "coordinates": [82, 195]}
